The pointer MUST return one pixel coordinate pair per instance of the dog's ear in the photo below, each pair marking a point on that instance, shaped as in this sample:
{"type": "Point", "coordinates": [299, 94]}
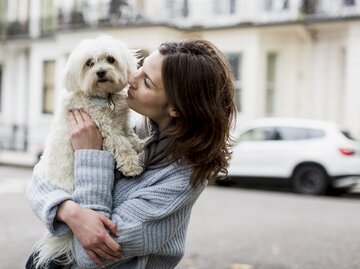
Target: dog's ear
{"type": "Point", "coordinates": [70, 75]}
{"type": "Point", "coordinates": [69, 78]}
{"type": "Point", "coordinates": [74, 65]}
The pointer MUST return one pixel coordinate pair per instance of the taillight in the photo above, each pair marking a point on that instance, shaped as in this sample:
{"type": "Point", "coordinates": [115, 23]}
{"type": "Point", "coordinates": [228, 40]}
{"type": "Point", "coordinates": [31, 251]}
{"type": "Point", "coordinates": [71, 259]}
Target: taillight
{"type": "Point", "coordinates": [347, 152]}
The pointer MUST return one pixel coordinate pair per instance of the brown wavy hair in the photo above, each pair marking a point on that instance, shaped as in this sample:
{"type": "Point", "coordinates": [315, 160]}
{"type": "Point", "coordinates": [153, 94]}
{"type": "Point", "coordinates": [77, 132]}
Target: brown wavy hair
{"type": "Point", "coordinates": [199, 84]}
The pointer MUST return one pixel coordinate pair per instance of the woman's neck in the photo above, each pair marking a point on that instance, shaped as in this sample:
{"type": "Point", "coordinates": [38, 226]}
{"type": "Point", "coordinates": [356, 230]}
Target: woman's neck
{"type": "Point", "coordinates": [163, 123]}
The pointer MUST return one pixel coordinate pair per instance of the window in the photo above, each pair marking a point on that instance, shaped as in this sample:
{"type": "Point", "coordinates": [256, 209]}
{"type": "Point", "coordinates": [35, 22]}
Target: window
{"type": "Point", "coordinates": [225, 7]}
{"type": "Point", "coordinates": [48, 16]}
{"type": "Point", "coordinates": [0, 87]}
{"type": "Point", "coordinates": [185, 9]}
{"type": "Point", "coordinates": [272, 133]}
{"type": "Point", "coordinates": [276, 5]}
{"type": "Point", "coordinates": [270, 84]}
{"type": "Point", "coordinates": [17, 17]}
{"type": "Point", "coordinates": [3, 15]}
{"type": "Point", "coordinates": [309, 6]}
{"type": "Point", "coordinates": [48, 86]}
{"type": "Point", "coordinates": [232, 6]}
{"type": "Point", "coordinates": [349, 3]}
{"type": "Point", "coordinates": [299, 133]}
{"type": "Point", "coordinates": [171, 7]}
{"type": "Point", "coordinates": [235, 61]}
{"type": "Point", "coordinates": [260, 134]}
{"type": "Point", "coordinates": [268, 5]}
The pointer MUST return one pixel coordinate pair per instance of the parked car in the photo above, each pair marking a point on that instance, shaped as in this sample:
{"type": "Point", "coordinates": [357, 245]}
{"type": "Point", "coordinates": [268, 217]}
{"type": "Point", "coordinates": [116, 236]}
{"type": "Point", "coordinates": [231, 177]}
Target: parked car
{"type": "Point", "coordinates": [314, 156]}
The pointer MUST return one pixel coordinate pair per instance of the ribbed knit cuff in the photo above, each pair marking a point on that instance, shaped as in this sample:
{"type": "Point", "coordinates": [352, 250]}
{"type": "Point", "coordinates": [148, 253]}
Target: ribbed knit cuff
{"type": "Point", "coordinates": [54, 226]}
{"type": "Point", "coordinates": [94, 179]}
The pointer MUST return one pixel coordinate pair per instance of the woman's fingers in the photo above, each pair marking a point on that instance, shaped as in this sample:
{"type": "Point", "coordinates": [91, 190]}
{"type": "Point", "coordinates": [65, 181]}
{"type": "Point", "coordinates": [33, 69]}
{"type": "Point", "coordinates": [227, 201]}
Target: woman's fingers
{"type": "Point", "coordinates": [79, 118]}
{"type": "Point", "coordinates": [72, 120]}
{"type": "Point", "coordinates": [111, 244]}
{"type": "Point", "coordinates": [95, 258]}
{"type": "Point", "coordinates": [112, 247]}
{"type": "Point", "coordinates": [83, 131]}
{"type": "Point", "coordinates": [110, 225]}
{"type": "Point", "coordinates": [106, 255]}
{"type": "Point", "coordinates": [85, 116]}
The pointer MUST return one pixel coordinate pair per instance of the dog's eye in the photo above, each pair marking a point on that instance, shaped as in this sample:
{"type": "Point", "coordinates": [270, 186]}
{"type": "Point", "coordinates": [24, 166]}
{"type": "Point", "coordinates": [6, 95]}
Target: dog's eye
{"type": "Point", "coordinates": [90, 63]}
{"type": "Point", "coordinates": [110, 59]}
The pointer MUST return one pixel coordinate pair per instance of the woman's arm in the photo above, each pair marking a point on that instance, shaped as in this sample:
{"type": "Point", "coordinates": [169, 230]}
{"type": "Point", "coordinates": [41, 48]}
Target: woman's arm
{"type": "Point", "coordinates": [147, 220]}
{"type": "Point", "coordinates": [58, 211]}
{"type": "Point", "coordinates": [44, 199]}
{"type": "Point", "coordinates": [90, 230]}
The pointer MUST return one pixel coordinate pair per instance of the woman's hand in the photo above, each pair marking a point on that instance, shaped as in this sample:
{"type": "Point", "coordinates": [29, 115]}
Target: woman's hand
{"type": "Point", "coordinates": [83, 131]}
{"type": "Point", "coordinates": [90, 228]}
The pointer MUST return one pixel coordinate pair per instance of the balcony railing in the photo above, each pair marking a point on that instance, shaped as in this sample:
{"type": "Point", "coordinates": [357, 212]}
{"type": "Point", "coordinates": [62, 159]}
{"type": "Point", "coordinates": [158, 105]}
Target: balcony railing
{"type": "Point", "coordinates": [14, 28]}
{"type": "Point", "coordinates": [13, 137]}
{"type": "Point", "coordinates": [90, 17]}
{"type": "Point", "coordinates": [290, 10]}
{"type": "Point", "coordinates": [258, 12]}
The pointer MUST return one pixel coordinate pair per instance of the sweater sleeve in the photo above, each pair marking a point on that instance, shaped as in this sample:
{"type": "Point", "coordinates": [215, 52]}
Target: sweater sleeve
{"type": "Point", "coordinates": [147, 219]}
{"type": "Point", "coordinates": [94, 180]}
{"type": "Point", "coordinates": [44, 199]}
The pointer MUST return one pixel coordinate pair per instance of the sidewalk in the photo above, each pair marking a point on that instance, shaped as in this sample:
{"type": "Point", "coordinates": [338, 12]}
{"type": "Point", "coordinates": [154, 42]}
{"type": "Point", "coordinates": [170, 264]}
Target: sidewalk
{"type": "Point", "coordinates": [17, 158]}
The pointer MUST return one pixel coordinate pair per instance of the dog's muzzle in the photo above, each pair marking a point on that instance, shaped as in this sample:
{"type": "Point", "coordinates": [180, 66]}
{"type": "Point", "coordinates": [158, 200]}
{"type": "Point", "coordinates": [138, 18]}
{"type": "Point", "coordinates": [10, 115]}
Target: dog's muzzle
{"type": "Point", "coordinates": [102, 76]}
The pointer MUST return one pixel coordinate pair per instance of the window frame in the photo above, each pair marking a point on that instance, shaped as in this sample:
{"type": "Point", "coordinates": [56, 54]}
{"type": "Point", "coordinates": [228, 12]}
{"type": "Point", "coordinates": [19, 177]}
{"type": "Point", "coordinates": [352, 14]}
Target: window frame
{"type": "Point", "coordinates": [271, 83]}
{"type": "Point", "coordinates": [1, 86]}
{"type": "Point", "coordinates": [48, 91]}
{"type": "Point", "coordinates": [237, 73]}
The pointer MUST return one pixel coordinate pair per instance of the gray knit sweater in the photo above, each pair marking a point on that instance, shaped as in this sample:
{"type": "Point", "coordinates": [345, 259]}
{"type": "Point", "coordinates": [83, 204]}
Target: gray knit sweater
{"type": "Point", "coordinates": [152, 210]}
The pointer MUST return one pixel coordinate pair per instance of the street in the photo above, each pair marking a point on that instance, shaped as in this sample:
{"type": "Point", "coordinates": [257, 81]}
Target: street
{"type": "Point", "coordinates": [230, 228]}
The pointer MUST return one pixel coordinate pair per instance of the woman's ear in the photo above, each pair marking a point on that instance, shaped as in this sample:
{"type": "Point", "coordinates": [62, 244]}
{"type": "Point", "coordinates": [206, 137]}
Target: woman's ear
{"type": "Point", "coordinates": [172, 112]}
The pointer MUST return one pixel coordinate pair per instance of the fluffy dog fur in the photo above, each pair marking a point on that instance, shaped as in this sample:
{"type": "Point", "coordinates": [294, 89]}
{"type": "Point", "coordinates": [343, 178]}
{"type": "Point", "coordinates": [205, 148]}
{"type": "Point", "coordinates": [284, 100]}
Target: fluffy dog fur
{"type": "Point", "coordinates": [94, 74]}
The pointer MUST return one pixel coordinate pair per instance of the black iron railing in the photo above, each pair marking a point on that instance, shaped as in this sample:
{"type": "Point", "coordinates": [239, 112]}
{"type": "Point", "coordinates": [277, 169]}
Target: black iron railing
{"type": "Point", "coordinates": [13, 137]}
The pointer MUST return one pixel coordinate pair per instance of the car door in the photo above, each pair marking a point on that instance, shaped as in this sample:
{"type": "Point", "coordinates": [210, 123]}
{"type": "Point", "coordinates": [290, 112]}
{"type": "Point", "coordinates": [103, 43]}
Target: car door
{"type": "Point", "coordinates": [257, 153]}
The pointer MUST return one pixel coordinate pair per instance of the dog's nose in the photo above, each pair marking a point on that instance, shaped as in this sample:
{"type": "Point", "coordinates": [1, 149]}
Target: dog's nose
{"type": "Point", "coordinates": [101, 74]}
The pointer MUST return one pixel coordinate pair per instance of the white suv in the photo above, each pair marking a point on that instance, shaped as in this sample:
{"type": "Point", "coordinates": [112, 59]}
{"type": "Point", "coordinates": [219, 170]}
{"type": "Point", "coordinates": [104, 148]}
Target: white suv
{"type": "Point", "coordinates": [314, 156]}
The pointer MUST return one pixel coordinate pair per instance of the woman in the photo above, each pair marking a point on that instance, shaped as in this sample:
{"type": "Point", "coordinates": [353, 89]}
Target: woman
{"type": "Point", "coordinates": [185, 91]}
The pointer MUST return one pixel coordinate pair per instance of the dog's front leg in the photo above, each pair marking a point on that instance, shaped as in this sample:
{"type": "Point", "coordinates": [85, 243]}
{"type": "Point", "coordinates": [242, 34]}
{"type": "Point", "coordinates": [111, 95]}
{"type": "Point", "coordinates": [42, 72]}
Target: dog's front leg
{"type": "Point", "coordinates": [127, 159]}
{"type": "Point", "coordinates": [137, 143]}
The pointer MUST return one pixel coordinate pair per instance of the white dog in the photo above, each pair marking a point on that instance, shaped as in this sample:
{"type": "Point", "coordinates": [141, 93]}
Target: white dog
{"type": "Point", "coordinates": [95, 73]}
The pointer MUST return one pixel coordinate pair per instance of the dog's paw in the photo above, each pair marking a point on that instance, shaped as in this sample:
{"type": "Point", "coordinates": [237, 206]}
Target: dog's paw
{"type": "Point", "coordinates": [139, 146]}
{"type": "Point", "coordinates": [130, 166]}
{"type": "Point", "coordinates": [131, 170]}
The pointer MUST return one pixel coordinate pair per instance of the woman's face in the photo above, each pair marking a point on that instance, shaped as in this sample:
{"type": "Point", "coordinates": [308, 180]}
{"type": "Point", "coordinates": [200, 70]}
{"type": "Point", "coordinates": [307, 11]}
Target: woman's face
{"type": "Point", "coordinates": [146, 94]}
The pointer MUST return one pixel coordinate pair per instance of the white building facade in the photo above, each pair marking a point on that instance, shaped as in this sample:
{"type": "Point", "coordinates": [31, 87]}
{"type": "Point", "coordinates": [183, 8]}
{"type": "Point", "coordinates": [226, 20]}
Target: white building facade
{"type": "Point", "coordinates": [293, 58]}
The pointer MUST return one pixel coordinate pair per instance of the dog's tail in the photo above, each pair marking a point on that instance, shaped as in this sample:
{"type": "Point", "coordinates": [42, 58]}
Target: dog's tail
{"type": "Point", "coordinates": [57, 249]}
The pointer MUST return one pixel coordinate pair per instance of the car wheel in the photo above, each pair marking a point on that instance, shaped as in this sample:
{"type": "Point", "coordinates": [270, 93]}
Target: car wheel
{"type": "Point", "coordinates": [310, 179]}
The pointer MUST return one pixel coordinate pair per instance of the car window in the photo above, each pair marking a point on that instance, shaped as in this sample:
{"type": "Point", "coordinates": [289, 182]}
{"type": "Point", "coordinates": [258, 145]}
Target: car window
{"type": "Point", "coordinates": [299, 133]}
{"type": "Point", "coordinates": [281, 133]}
{"type": "Point", "coordinates": [260, 134]}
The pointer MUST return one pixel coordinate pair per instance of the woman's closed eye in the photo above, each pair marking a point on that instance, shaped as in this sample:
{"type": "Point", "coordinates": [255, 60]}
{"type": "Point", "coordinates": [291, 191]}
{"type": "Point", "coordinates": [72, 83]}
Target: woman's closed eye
{"type": "Point", "coordinates": [146, 84]}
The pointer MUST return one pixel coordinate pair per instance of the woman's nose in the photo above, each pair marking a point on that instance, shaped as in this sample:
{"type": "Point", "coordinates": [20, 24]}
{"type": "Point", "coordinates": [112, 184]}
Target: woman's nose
{"type": "Point", "coordinates": [132, 79]}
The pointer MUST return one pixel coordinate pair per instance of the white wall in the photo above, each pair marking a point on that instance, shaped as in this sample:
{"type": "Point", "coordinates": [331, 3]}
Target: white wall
{"type": "Point", "coordinates": [352, 79]}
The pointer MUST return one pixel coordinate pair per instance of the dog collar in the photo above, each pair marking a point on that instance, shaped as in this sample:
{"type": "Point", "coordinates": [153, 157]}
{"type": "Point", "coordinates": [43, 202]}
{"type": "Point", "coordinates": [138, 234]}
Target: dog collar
{"type": "Point", "coordinates": [99, 101]}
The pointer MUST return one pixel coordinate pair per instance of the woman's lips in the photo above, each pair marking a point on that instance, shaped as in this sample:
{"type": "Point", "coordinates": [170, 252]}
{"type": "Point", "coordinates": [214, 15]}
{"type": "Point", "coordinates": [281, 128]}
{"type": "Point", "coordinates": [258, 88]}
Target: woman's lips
{"type": "Point", "coordinates": [130, 96]}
